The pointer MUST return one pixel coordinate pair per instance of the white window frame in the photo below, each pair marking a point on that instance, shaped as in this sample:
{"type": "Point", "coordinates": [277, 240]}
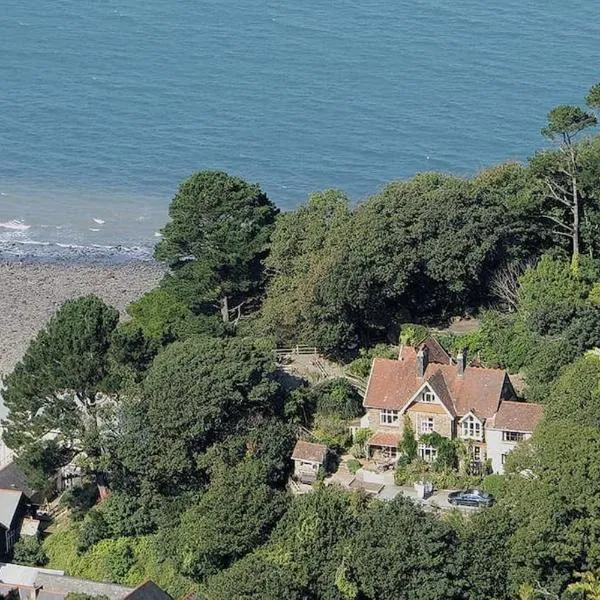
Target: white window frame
{"type": "Point", "coordinates": [389, 417]}
{"type": "Point", "coordinates": [428, 397]}
{"type": "Point", "coordinates": [427, 425]}
{"type": "Point", "coordinates": [513, 437]}
{"type": "Point", "coordinates": [470, 428]}
{"type": "Point", "coordinates": [427, 453]}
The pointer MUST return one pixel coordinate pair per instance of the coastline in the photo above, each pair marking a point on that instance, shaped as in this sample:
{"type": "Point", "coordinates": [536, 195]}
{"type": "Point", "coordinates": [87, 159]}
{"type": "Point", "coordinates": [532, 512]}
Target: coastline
{"type": "Point", "coordinates": [34, 284]}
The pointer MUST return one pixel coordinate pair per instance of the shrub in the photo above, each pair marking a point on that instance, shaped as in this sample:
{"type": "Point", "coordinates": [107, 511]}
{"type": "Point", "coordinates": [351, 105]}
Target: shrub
{"type": "Point", "coordinates": [331, 431]}
{"type": "Point", "coordinates": [338, 398]}
{"type": "Point", "coordinates": [93, 529]}
{"type": "Point", "coordinates": [29, 551]}
{"type": "Point", "coordinates": [413, 334]}
{"type": "Point", "coordinates": [361, 366]}
{"type": "Point", "coordinates": [80, 499]}
{"type": "Point", "coordinates": [353, 465]}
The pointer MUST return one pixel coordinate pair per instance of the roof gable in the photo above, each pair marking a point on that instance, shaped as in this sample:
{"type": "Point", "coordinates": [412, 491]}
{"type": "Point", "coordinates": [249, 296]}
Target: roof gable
{"type": "Point", "coordinates": [517, 416]}
{"type": "Point", "coordinates": [437, 385]}
{"type": "Point", "coordinates": [393, 383]}
{"type": "Point", "coordinates": [9, 503]}
{"type": "Point", "coordinates": [309, 452]}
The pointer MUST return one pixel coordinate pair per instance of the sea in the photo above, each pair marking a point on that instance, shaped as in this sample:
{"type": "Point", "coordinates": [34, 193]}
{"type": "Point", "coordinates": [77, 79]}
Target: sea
{"type": "Point", "coordinates": [107, 105]}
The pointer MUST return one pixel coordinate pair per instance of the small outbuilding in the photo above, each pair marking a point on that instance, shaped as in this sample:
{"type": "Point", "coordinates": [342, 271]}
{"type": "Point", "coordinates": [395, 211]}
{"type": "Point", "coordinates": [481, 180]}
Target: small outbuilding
{"type": "Point", "coordinates": [12, 510]}
{"type": "Point", "coordinates": [308, 458]}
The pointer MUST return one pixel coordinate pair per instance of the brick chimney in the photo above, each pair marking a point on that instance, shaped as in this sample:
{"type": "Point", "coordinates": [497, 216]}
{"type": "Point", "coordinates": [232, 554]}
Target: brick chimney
{"type": "Point", "coordinates": [422, 360]}
{"type": "Point", "coordinates": [461, 362]}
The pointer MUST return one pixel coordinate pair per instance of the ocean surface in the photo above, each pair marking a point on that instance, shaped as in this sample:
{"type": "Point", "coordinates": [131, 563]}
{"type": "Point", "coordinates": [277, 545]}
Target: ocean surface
{"type": "Point", "coordinates": [106, 106]}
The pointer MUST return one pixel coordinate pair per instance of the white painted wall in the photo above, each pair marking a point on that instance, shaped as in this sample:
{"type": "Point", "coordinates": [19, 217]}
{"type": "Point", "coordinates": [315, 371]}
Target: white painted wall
{"type": "Point", "coordinates": [496, 448]}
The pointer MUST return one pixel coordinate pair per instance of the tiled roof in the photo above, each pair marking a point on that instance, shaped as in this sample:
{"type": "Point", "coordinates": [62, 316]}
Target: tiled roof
{"type": "Point", "coordinates": [309, 452]}
{"type": "Point", "coordinates": [384, 438]}
{"type": "Point", "coordinates": [148, 591]}
{"type": "Point", "coordinates": [437, 354]}
{"type": "Point", "coordinates": [9, 502]}
{"type": "Point", "coordinates": [11, 477]}
{"type": "Point", "coordinates": [517, 416]}
{"type": "Point", "coordinates": [394, 382]}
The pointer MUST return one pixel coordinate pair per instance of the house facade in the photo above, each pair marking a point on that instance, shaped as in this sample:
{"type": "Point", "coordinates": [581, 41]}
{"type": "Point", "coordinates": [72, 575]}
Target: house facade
{"type": "Point", "coordinates": [438, 393]}
{"type": "Point", "coordinates": [308, 459]}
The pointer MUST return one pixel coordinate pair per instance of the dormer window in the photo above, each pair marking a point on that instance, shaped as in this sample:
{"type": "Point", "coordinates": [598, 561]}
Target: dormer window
{"type": "Point", "coordinates": [470, 428]}
{"type": "Point", "coordinates": [428, 397]}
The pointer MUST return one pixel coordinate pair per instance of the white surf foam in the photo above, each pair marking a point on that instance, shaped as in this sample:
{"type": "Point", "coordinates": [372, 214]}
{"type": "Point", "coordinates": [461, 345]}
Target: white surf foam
{"type": "Point", "coordinates": [15, 225]}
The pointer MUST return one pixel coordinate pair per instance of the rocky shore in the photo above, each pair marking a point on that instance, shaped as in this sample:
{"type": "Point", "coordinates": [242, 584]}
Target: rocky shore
{"type": "Point", "coordinates": [30, 292]}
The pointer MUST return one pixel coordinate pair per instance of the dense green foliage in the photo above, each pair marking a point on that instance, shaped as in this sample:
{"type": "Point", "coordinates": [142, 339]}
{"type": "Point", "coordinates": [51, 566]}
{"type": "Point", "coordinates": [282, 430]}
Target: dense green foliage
{"type": "Point", "coordinates": [216, 241]}
{"type": "Point", "coordinates": [29, 551]}
{"type": "Point", "coordinates": [184, 413]}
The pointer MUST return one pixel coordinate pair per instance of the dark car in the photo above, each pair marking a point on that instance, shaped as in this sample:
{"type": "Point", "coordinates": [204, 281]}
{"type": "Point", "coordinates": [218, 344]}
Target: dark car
{"type": "Point", "coordinates": [470, 498]}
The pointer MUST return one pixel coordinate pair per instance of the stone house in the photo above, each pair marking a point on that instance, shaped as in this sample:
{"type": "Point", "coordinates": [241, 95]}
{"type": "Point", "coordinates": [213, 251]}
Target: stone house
{"type": "Point", "coordinates": [308, 458]}
{"type": "Point", "coordinates": [438, 393]}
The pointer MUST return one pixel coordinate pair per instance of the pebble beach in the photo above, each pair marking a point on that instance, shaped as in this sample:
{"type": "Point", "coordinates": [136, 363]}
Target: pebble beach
{"type": "Point", "coordinates": [30, 293]}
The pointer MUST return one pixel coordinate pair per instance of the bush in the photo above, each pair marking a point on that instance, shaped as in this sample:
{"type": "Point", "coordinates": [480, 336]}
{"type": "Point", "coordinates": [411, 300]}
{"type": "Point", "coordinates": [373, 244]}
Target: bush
{"type": "Point", "coordinates": [413, 334]}
{"type": "Point", "coordinates": [496, 485]}
{"type": "Point", "coordinates": [331, 431]}
{"type": "Point", "coordinates": [361, 366]}
{"type": "Point", "coordinates": [353, 465]}
{"type": "Point", "coordinates": [79, 499]}
{"type": "Point", "coordinates": [338, 398]}
{"type": "Point", "coordinates": [29, 551]}
{"type": "Point", "coordinates": [93, 529]}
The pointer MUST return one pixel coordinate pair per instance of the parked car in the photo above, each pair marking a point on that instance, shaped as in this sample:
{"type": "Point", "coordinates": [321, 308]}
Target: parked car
{"type": "Point", "coordinates": [470, 498]}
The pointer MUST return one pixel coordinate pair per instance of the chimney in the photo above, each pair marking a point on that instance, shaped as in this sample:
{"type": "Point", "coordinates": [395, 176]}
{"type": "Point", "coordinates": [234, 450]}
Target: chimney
{"type": "Point", "coordinates": [422, 360]}
{"type": "Point", "coordinates": [461, 361]}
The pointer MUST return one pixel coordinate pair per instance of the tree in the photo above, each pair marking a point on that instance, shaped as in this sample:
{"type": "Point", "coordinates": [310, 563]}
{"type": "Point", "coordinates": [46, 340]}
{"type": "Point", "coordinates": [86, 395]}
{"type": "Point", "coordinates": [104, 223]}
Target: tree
{"type": "Point", "coordinates": [485, 554]}
{"type": "Point", "coordinates": [560, 171]}
{"type": "Point", "coordinates": [556, 507]}
{"type": "Point", "coordinates": [258, 576]}
{"type": "Point", "coordinates": [80, 499]}
{"type": "Point", "coordinates": [29, 551]}
{"type": "Point", "coordinates": [575, 395]}
{"type": "Point", "coordinates": [164, 318]}
{"type": "Point", "coordinates": [312, 537]}
{"type": "Point", "coordinates": [338, 397]}
{"type": "Point", "coordinates": [39, 462]}
{"type": "Point", "coordinates": [420, 563]}
{"type": "Point", "coordinates": [56, 387]}
{"type": "Point", "coordinates": [92, 530]}
{"type": "Point", "coordinates": [216, 242]}
{"type": "Point", "coordinates": [195, 394]}
{"type": "Point", "coordinates": [305, 245]}
{"type": "Point", "coordinates": [233, 517]}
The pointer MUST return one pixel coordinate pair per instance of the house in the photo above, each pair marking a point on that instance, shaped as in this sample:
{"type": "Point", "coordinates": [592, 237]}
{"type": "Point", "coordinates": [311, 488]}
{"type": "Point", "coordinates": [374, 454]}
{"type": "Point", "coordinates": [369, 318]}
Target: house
{"type": "Point", "coordinates": [308, 458]}
{"type": "Point", "coordinates": [148, 591]}
{"type": "Point", "coordinates": [36, 583]}
{"type": "Point", "coordinates": [13, 505]}
{"type": "Point", "coordinates": [438, 393]}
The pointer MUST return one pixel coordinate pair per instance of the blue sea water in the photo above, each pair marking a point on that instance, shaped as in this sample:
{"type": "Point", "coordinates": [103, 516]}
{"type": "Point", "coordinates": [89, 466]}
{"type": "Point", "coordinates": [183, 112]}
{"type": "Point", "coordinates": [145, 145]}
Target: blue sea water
{"type": "Point", "coordinates": [105, 106]}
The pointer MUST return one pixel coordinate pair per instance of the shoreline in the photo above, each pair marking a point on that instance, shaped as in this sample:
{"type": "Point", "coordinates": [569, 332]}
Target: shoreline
{"type": "Point", "coordinates": [34, 285]}
{"type": "Point", "coordinates": [63, 254]}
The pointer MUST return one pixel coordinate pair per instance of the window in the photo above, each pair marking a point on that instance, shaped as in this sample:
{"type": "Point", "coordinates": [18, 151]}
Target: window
{"type": "Point", "coordinates": [428, 397]}
{"type": "Point", "coordinates": [470, 428]}
{"type": "Point", "coordinates": [503, 459]}
{"type": "Point", "coordinates": [389, 417]}
{"type": "Point", "coordinates": [427, 453]}
{"type": "Point", "coordinates": [476, 453]}
{"type": "Point", "coordinates": [427, 425]}
{"type": "Point", "coordinates": [512, 436]}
